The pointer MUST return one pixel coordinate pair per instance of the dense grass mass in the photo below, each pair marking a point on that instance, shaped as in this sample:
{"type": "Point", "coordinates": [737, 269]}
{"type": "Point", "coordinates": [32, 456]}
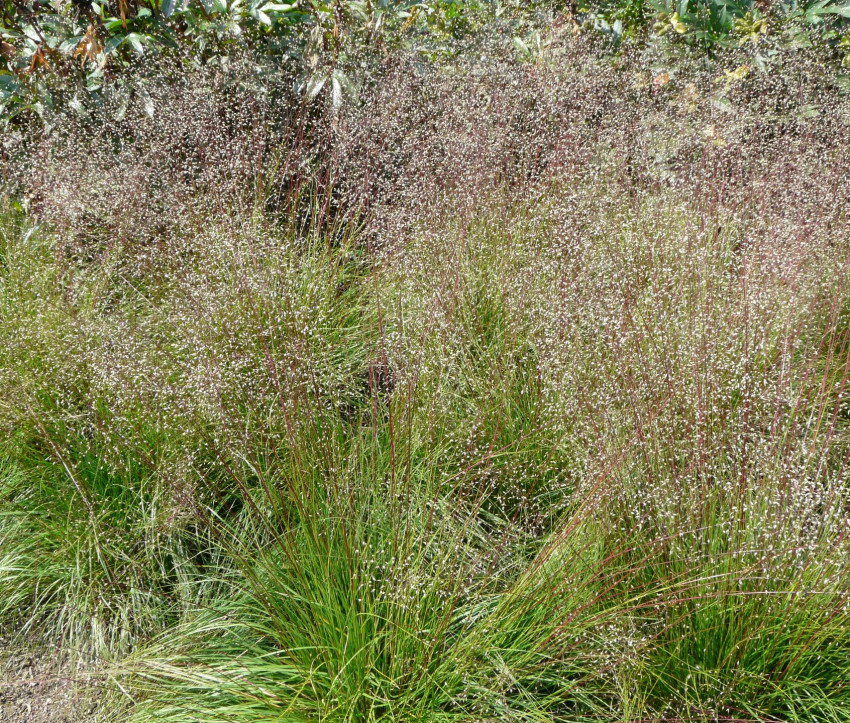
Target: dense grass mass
{"type": "Point", "coordinates": [512, 392]}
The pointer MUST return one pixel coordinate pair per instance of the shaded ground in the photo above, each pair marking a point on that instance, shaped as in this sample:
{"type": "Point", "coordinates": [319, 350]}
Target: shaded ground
{"type": "Point", "coordinates": [34, 690]}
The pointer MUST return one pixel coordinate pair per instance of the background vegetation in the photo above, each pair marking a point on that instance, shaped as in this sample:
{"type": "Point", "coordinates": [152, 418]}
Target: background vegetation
{"type": "Point", "coordinates": [428, 362]}
{"type": "Point", "coordinates": [74, 52]}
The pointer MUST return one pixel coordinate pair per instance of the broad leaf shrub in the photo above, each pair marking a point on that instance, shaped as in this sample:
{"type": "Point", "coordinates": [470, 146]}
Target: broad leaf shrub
{"type": "Point", "coordinates": [78, 54]}
{"type": "Point", "coordinates": [58, 54]}
{"type": "Point", "coordinates": [768, 29]}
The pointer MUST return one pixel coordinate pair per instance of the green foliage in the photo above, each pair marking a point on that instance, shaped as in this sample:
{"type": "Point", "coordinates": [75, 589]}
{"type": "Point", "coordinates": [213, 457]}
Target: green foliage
{"type": "Point", "coordinates": [716, 24]}
{"type": "Point", "coordinates": [69, 52]}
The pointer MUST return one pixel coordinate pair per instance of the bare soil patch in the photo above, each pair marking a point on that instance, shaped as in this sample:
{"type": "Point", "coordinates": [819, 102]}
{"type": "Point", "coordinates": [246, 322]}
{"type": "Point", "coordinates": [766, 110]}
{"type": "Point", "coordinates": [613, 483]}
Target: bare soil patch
{"type": "Point", "coordinates": [34, 689]}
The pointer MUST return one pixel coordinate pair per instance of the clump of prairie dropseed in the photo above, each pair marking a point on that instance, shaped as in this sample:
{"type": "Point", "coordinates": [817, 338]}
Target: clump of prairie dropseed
{"type": "Point", "coordinates": [512, 391]}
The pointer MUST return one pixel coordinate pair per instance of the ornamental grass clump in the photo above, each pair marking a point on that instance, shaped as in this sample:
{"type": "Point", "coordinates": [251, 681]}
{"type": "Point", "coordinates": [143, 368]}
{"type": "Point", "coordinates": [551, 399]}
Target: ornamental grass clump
{"type": "Point", "coordinates": [514, 391]}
